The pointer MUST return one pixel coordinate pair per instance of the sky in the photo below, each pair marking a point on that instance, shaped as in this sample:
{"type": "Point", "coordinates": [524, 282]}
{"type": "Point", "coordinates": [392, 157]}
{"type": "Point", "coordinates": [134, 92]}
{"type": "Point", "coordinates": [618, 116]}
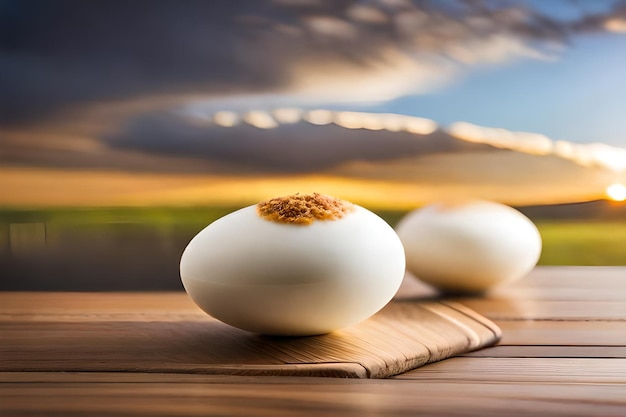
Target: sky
{"type": "Point", "coordinates": [193, 102]}
{"type": "Point", "coordinates": [576, 97]}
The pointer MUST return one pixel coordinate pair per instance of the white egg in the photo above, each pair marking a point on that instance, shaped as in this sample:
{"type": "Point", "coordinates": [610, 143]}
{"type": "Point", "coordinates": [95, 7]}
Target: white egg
{"type": "Point", "coordinates": [469, 246]}
{"type": "Point", "coordinates": [296, 265]}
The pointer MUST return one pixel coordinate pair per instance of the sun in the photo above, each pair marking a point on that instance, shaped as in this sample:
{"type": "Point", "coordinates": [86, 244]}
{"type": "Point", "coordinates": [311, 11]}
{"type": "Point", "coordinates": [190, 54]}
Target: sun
{"type": "Point", "coordinates": [616, 192]}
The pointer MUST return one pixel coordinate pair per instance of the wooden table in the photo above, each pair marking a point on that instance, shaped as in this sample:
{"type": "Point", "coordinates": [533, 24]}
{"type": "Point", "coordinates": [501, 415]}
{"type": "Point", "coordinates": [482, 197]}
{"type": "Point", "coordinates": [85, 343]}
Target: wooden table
{"type": "Point", "coordinates": [563, 352]}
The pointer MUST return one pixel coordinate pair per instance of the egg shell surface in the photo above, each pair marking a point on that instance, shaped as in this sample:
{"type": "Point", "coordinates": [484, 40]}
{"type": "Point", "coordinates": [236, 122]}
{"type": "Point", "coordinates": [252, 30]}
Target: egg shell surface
{"type": "Point", "coordinates": [284, 279]}
{"type": "Point", "coordinates": [469, 246]}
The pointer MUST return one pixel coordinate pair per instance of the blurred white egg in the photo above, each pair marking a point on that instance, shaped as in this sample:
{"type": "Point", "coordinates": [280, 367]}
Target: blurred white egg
{"type": "Point", "coordinates": [295, 265]}
{"type": "Point", "coordinates": [469, 246]}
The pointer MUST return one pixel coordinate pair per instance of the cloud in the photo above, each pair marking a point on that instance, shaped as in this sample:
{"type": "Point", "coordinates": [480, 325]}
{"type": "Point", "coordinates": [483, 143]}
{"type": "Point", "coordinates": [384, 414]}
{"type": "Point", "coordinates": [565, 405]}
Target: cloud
{"type": "Point", "coordinates": [599, 155]}
{"type": "Point", "coordinates": [230, 143]}
{"type": "Point", "coordinates": [228, 158]}
{"type": "Point", "coordinates": [292, 141]}
{"type": "Point", "coordinates": [115, 87]}
{"type": "Point", "coordinates": [71, 54]}
{"type": "Point", "coordinates": [68, 153]}
{"type": "Point", "coordinates": [615, 21]}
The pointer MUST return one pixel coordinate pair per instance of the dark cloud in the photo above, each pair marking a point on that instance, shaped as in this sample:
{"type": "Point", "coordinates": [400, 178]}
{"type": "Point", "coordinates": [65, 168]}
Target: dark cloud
{"type": "Point", "coordinates": [391, 147]}
{"type": "Point", "coordinates": [72, 53]}
{"type": "Point", "coordinates": [614, 21]}
{"type": "Point", "coordinates": [17, 153]}
{"type": "Point", "coordinates": [59, 53]}
{"type": "Point", "coordinates": [290, 148]}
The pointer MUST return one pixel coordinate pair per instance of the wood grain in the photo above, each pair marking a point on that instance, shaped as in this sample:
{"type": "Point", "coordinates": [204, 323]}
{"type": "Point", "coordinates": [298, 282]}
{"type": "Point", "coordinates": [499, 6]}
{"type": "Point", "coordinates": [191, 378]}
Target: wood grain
{"type": "Point", "coordinates": [556, 351]}
{"type": "Point", "coordinates": [563, 333]}
{"type": "Point", "coordinates": [572, 370]}
{"type": "Point", "coordinates": [66, 333]}
{"type": "Point", "coordinates": [562, 353]}
{"type": "Point", "coordinates": [91, 394]}
{"type": "Point", "coordinates": [513, 309]}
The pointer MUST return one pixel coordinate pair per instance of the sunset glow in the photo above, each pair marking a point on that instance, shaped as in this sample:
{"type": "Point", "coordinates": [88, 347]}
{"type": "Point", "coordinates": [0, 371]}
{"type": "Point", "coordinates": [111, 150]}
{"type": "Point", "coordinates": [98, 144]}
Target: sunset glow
{"type": "Point", "coordinates": [46, 187]}
{"type": "Point", "coordinates": [616, 192]}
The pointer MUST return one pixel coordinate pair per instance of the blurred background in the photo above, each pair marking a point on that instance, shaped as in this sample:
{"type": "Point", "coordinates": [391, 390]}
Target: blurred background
{"type": "Point", "coordinates": [126, 127]}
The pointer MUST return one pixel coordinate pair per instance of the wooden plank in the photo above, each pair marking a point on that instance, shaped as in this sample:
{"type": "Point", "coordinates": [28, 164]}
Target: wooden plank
{"type": "Point", "coordinates": [540, 370]}
{"type": "Point", "coordinates": [303, 389]}
{"type": "Point", "coordinates": [561, 333]}
{"type": "Point", "coordinates": [50, 306]}
{"type": "Point", "coordinates": [549, 352]}
{"type": "Point", "coordinates": [527, 292]}
{"type": "Point", "coordinates": [546, 283]}
{"type": "Point", "coordinates": [402, 336]}
{"type": "Point", "coordinates": [399, 384]}
{"type": "Point", "coordinates": [529, 309]}
{"type": "Point", "coordinates": [27, 377]}
{"type": "Point", "coordinates": [163, 395]}
{"type": "Point", "coordinates": [586, 277]}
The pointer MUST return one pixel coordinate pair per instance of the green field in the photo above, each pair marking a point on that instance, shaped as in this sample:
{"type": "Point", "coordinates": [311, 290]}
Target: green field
{"type": "Point", "coordinates": [583, 243]}
{"type": "Point", "coordinates": [564, 242]}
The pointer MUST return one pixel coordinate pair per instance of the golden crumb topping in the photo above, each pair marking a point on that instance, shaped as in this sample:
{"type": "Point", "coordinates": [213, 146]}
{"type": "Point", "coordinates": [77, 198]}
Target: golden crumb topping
{"type": "Point", "coordinates": [303, 209]}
